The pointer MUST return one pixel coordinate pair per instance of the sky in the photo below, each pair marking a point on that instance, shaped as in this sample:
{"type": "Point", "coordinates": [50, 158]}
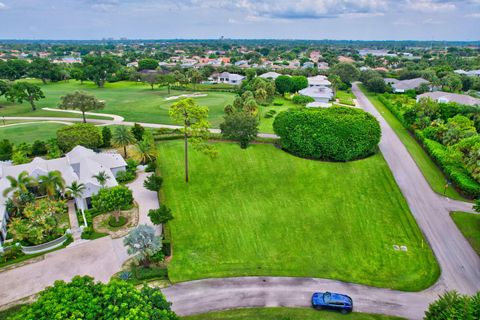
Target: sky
{"type": "Point", "coordinates": [241, 19]}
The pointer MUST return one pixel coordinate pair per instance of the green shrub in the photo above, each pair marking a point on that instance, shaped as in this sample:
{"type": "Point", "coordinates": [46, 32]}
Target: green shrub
{"type": "Point", "coordinates": [151, 166]}
{"type": "Point", "coordinates": [141, 273]}
{"type": "Point", "coordinates": [278, 103]}
{"type": "Point", "coordinates": [167, 248]}
{"type": "Point", "coordinates": [334, 134]}
{"type": "Point", "coordinates": [452, 168]}
{"type": "Point", "coordinates": [84, 134]}
{"type": "Point", "coordinates": [125, 176]}
{"type": "Point", "coordinates": [116, 224]}
{"type": "Point", "coordinates": [302, 100]}
{"type": "Point", "coordinates": [270, 114]}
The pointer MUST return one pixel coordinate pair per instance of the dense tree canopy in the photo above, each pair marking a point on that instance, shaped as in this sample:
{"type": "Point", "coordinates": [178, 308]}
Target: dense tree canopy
{"type": "Point", "coordinates": [82, 298]}
{"type": "Point", "coordinates": [335, 134]}
{"type": "Point", "coordinates": [452, 305]}
{"type": "Point", "coordinates": [346, 71]}
{"type": "Point", "coordinates": [84, 134]}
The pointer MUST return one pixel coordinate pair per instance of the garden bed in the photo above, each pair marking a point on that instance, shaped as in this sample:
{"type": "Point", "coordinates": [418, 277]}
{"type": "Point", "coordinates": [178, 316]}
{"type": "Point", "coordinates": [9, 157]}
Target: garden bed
{"type": "Point", "coordinates": [101, 223]}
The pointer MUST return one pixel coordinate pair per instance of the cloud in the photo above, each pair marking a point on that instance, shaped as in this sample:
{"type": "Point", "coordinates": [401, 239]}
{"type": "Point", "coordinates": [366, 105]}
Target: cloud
{"type": "Point", "coordinates": [2, 6]}
{"type": "Point", "coordinates": [288, 9]}
{"type": "Point", "coordinates": [430, 5]}
{"type": "Point", "coordinates": [473, 15]}
{"type": "Point", "coordinates": [103, 5]}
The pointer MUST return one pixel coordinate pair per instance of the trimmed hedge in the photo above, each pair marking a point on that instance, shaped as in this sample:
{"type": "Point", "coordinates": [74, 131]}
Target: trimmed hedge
{"type": "Point", "coordinates": [451, 168]}
{"type": "Point", "coordinates": [333, 134]}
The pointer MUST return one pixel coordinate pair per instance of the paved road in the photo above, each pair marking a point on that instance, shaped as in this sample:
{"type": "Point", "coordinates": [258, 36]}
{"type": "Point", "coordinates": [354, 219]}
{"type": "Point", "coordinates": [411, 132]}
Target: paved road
{"type": "Point", "coordinates": [459, 263]}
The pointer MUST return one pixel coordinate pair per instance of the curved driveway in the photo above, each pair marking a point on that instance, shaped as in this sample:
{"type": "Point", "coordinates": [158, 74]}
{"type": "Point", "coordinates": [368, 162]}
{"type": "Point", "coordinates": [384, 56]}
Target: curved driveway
{"type": "Point", "coordinates": [459, 263]}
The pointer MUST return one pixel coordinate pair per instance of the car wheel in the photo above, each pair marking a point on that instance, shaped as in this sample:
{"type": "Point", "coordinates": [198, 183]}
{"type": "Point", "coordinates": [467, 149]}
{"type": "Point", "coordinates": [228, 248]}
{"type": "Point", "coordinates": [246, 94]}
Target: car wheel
{"type": "Point", "coordinates": [344, 311]}
{"type": "Point", "coordinates": [318, 308]}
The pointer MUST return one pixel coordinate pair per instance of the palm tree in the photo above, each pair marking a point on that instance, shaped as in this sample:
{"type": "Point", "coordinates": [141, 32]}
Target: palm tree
{"type": "Point", "coordinates": [102, 178]}
{"type": "Point", "coordinates": [76, 189]}
{"type": "Point", "coordinates": [51, 182]}
{"type": "Point", "coordinates": [122, 137]}
{"type": "Point", "coordinates": [20, 184]}
{"type": "Point", "coordinates": [143, 152]}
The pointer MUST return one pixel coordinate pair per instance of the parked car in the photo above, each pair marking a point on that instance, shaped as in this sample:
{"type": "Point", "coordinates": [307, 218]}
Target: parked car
{"type": "Point", "coordinates": [332, 301]}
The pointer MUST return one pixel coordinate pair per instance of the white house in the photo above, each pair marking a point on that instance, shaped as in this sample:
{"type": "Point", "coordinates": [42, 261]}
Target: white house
{"type": "Point", "coordinates": [472, 73]}
{"type": "Point", "coordinates": [226, 77]}
{"type": "Point", "coordinates": [319, 88]}
{"type": "Point", "coordinates": [445, 97]}
{"type": "Point", "coordinates": [270, 75]}
{"type": "Point", "coordinates": [400, 86]}
{"type": "Point", "coordinates": [80, 165]}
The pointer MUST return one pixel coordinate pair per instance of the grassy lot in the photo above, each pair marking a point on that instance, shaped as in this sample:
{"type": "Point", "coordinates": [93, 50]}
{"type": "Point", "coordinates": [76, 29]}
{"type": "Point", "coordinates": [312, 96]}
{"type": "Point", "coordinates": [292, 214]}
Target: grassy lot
{"type": "Point", "coordinates": [469, 225]}
{"type": "Point", "coordinates": [262, 211]}
{"type": "Point", "coordinates": [430, 170]}
{"type": "Point", "coordinates": [30, 132]}
{"type": "Point", "coordinates": [345, 97]}
{"type": "Point", "coordinates": [267, 123]}
{"type": "Point", "coordinates": [284, 314]}
{"type": "Point", "coordinates": [131, 100]}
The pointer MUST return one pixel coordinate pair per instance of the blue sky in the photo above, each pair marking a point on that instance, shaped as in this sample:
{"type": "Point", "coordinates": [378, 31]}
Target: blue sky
{"type": "Point", "coordinates": [279, 19]}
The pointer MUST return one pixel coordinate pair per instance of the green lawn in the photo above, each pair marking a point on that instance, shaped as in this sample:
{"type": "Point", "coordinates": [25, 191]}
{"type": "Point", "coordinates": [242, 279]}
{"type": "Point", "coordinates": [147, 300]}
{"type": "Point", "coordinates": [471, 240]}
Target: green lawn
{"type": "Point", "coordinates": [469, 225]}
{"type": "Point", "coordinates": [345, 97]}
{"type": "Point", "coordinates": [285, 314]}
{"type": "Point", "coordinates": [134, 101]}
{"type": "Point", "coordinates": [266, 124]}
{"type": "Point", "coordinates": [30, 132]}
{"type": "Point", "coordinates": [262, 211]}
{"type": "Point", "coordinates": [432, 173]}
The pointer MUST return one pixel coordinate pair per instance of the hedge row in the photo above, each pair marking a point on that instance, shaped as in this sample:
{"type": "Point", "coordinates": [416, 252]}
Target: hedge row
{"type": "Point", "coordinates": [452, 169]}
{"type": "Point", "coordinates": [332, 134]}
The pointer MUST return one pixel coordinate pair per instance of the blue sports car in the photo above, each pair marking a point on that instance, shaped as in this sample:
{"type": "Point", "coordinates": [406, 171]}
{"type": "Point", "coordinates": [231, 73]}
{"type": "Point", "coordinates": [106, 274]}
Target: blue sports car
{"type": "Point", "coordinates": [332, 301]}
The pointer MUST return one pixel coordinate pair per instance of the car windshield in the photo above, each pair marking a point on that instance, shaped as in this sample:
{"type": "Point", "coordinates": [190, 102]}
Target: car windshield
{"type": "Point", "coordinates": [326, 297]}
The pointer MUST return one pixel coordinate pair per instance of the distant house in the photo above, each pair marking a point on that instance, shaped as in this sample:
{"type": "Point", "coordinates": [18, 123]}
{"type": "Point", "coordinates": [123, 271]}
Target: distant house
{"type": "Point", "coordinates": [80, 165]}
{"type": "Point", "coordinates": [270, 75]}
{"type": "Point", "coordinates": [319, 88]}
{"type": "Point", "coordinates": [226, 77]}
{"type": "Point", "coordinates": [323, 66]}
{"type": "Point", "coordinates": [445, 97]}
{"type": "Point", "coordinates": [472, 73]}
{"type": "Point", "coordinates": [400, 86]}
{"type": "Point", "coordinates": [308, 64]}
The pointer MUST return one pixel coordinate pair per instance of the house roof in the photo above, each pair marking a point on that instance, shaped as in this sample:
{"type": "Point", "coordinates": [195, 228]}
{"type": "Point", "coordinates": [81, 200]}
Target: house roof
{"type": "Point", "coordinates": [271, 75]}
{"type": "Point", "coordinates": [318, 81]}
{"type": "Point", "coordinates": [317, 92]}
{"type": "Point", "coordinates": [450, 97]}
{"type": "Point", "coordinates": [80, 164]}
{"type": "Point", "coordinates": [406, 84]}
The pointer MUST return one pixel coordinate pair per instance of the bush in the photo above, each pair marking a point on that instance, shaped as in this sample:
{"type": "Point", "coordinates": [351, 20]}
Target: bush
{"type": "Point", "coordinates": [270, 114]}
{"type": "Point", "coordinates": [39, 148]}
{"type": "Point", "coordinates": [167, 248]}
{"type": "Point", "coordinates": [278, 103]}
{"type": "Point", "coordinates": [303, 100]}
{"type": "Point", "coordinates": [335, 134]}
{"type": "Point", "coordinates": [84, 134]}
{"type": "Point", "coordinates": [112, 199]}
{"type": "Point", "coordinates": [151, 166]}
{"type": "Point", "coordinates": [125, 176]}
{"type": "Point", "coordinates": [141, 273]}
{"type": "Point", "coordinates": [452, 168]}
{"type": "Point", "coordinates": [153, 183]}
{"type": "Point", "coordinates": [116, 224]}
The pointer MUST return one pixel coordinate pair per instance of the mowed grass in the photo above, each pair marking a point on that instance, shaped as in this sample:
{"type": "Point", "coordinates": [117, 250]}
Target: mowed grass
{"type": "Point", "coordinates": [262, 211]}
{"type": "Point", "coordinates": [266, 124]}
{"type": "Point", "coordinates": [432, 173]}
{"type": "Point", "coordinates": [29, 132]}
{"type": "Point", "coordinates": [285, 314]}
{"type": "Point", "coordinates": [131, 100]}
{"type": "Point", "coordinates": [469, 225]}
